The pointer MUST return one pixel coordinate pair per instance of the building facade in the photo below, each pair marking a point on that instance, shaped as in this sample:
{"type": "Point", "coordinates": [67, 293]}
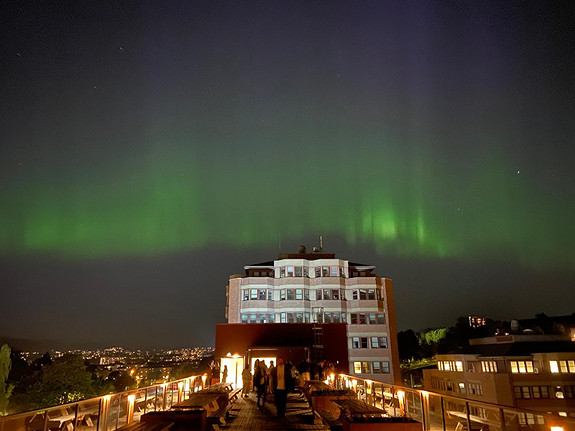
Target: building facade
{"type": "Point", "coordinates": [534, 372]}
{"type": "Point", "coordinates": [320, 289]}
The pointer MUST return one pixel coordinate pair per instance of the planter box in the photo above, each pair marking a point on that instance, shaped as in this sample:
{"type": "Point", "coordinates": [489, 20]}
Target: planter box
{"type": "Point", "coordinates": [380, 424]}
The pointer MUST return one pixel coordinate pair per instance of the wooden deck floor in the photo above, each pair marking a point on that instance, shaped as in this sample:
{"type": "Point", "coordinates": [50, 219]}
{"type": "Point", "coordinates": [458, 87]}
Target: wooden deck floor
{"type": "Point", "coordinates": [246, 416]}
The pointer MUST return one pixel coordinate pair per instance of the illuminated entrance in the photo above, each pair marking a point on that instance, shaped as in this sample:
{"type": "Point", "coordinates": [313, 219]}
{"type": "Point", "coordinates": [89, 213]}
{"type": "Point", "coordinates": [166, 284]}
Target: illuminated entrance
{"type": "Point", "coordinates": [235, 365]}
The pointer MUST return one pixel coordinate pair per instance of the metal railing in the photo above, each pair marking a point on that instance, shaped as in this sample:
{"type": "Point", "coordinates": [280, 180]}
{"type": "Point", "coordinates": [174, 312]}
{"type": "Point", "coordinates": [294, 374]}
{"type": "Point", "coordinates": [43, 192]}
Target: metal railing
{"type": "Point", "coordinates": [107, 412]}
{"type": "Point", "coordinates": [435, 412]}
{"type": "Point", "coordinates": [438, 412]}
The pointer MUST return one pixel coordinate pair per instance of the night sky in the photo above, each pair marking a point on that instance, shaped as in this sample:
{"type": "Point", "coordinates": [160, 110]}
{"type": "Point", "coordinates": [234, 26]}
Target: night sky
{"type": "Point", "coordinates": [148, 150]}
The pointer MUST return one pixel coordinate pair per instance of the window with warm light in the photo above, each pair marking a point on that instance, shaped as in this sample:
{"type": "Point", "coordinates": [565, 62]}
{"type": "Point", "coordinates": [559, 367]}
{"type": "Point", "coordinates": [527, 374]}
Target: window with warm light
{"type": "Point", "coordinates": [553, 366]}
{"type": "Point", "coordinates": [521, 367]}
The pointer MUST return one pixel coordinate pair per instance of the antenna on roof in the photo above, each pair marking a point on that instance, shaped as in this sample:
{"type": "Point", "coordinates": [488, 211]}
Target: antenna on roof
{"type": "Point", "coordinates": [320, 248]}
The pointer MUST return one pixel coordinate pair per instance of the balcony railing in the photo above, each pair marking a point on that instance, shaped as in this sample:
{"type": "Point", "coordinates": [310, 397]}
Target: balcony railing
{"type": "Point", "coordinates": [105, 413]}
{"type": "Point", "coordinates": [438, 412]}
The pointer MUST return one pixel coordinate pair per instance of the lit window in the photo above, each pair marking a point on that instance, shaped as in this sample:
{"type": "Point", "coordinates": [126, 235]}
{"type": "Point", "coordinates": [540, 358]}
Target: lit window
{"type": "Point", "coordinates": [374, 343]}
{"type": "Point", "coordinates": [536, 392]}
{"type": "Point", "coordinates": [298, 294]}
{"type": "Point", "coordinates": [553, 366]}
{"type": "Point", "coordinates": [283, 318]}
{"type": "Point", "coordinates": [383, 342]}
{"type": "Point", "coordinates": [355, 342]}
{"type": "Point", "coordinates": [571, 365]}
{"type": "Point", "coordinates": [334, 271]}
{"type": "Point", "coordinates": [365, 367]}
{"type": "Point", "coordinates": [563, 366]}
{"type": "Point", "coordinates": [253, 294]}
{"type": "Point", "coordinates": [282, 294]}
{"type": "Point", "coordinates": [459, 366]}
{"type": "Point", "coordinates": [461, 388]}
{"type": "Point", "coordinates": [385, 367]}
{"type": "Point", "coordinates": [325, 271]}
{"type": "Point", "coordinates": [357, 367]}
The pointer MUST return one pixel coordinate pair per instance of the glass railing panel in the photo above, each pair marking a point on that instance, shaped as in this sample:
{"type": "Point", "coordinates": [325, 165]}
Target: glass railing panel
{"type": "Point", "coordinates": [434, 416]}
{"type": "Point", "coordinates": [88, 411]}
{"type": "Point", "coordinates": [17, 423]}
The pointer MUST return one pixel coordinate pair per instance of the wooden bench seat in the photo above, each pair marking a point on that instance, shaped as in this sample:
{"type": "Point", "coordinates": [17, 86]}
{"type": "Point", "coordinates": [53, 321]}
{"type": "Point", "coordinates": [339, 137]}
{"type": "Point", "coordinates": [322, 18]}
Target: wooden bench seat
{"type": "Point", "coordinates": [146, 426]}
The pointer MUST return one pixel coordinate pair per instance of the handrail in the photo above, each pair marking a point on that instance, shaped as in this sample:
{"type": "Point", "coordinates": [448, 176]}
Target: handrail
{"type": "Point", "coordinates": [170, 393]}
{"type": "Point", "coordinates": [428, 407]}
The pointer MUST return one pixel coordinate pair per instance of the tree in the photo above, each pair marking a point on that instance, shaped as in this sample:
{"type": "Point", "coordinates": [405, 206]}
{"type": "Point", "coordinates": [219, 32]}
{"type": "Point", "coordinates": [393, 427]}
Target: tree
{"type": "Point", "coordinates": [121, 380]}
{"type": "Point", "coordinates": [5, 387]}
{"type": "Point", "coordinates": [65, 380]}
{"type": "Point", "coordinates": [408, 344]}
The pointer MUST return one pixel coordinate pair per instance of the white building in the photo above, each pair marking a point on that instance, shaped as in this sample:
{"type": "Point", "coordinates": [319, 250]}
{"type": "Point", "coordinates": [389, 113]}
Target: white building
{"type": "Point", "coordinates": [319, 288]}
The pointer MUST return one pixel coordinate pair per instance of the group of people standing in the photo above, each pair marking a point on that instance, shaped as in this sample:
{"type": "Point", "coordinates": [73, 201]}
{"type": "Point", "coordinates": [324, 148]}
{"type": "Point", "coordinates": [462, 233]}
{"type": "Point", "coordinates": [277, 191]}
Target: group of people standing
{"type": "Point", "coordinates": [277, 379]}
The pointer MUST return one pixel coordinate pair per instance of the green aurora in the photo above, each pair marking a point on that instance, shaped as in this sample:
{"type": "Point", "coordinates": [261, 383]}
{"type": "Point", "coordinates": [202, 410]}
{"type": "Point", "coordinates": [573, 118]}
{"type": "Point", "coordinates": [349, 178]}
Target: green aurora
{"type": "Point", "coordinates": [168, 200]}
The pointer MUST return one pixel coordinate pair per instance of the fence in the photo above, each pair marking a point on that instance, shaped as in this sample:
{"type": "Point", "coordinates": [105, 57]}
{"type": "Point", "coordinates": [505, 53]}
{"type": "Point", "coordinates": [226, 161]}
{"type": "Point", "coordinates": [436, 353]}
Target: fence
{"type": "Point", "coordinates": [437, 412]}
{"type": "Point", "coordinates": [105, 413]}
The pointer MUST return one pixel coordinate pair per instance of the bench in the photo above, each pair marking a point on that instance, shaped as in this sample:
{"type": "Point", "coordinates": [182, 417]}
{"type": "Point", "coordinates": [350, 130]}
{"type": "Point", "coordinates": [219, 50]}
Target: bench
{"type": "Point", "coordinates": [330, 420]}
{"type": "Point", "coordinates": [220, 415]}
{"type": "Point", "coordinates": [146, 426]}
{"type": "Point", "coordinates": [233, 395]}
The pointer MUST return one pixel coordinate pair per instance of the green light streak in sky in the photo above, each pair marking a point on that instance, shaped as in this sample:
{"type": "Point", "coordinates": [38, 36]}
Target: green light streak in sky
{"type": "Point", "coordinates": [167, 201]}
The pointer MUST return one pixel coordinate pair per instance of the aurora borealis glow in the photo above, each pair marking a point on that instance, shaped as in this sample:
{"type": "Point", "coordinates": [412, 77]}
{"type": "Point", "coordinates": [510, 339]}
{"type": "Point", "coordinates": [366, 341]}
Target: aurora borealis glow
{"type": "Point", "coordinates": [422, 132]}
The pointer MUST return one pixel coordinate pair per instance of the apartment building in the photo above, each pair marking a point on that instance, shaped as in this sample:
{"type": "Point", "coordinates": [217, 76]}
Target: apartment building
{"type": "Point", "coordinates": [319, 289]}
{"type": "Point", "coordinates": [535, 372]}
